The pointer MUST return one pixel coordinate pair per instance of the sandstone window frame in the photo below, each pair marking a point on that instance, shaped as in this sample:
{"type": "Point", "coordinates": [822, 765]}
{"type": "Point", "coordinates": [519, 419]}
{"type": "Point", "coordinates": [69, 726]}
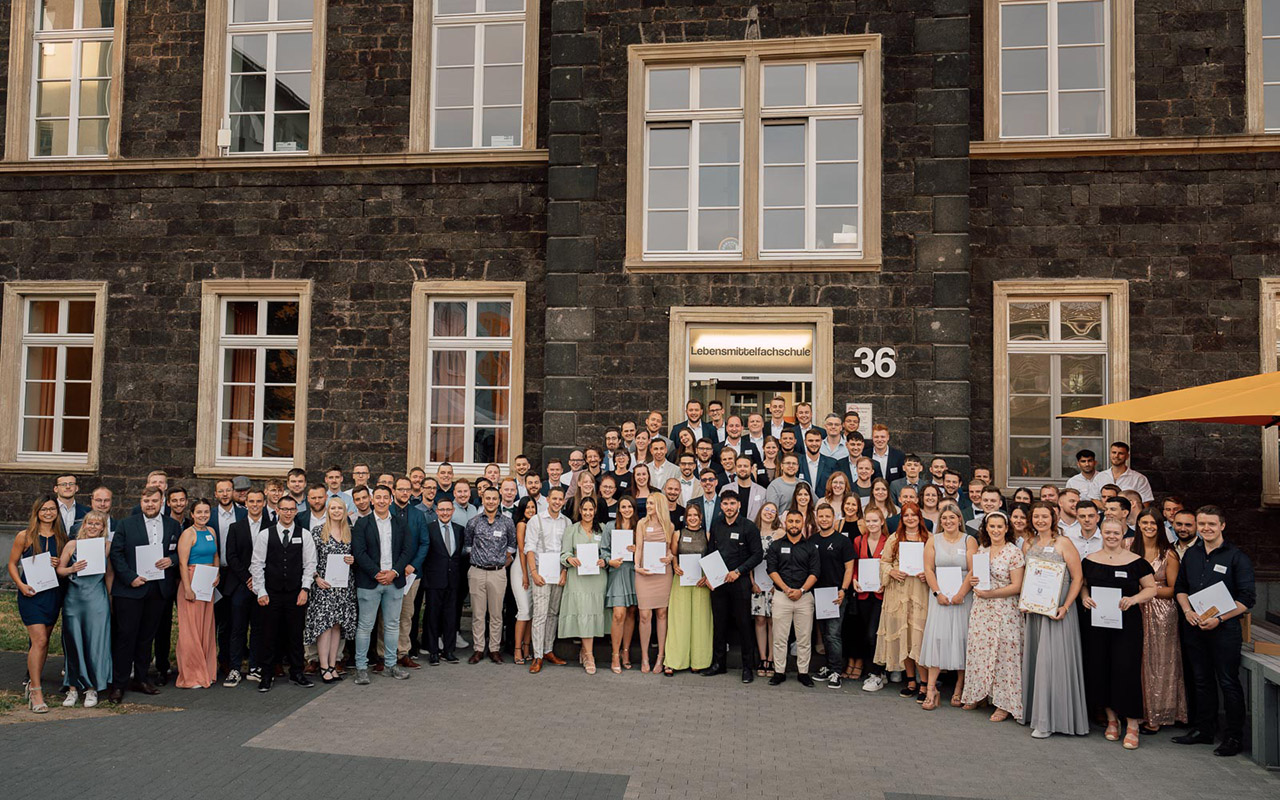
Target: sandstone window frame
{"type": "Point", "coordinates": [213, 294]}
{"type": "Point", "coordinates": [1121, 101]}
{"type": "Point", "coordinates": [426, 292]}
{"type": "Point", "coordinates": [1255, 69]}
{"type": "Point", "coordinates": [1116, 316]}
{"type": "Point", "coordinates": [215, 93]}
{"type": "Point", "coordinates": [1269, 355]}
{"type": "Point", "coordinates": [422, 78]}
{"type": "Point", "coordinates": [16, 296]}
{"type": "Point", "coordinates": [19, 139]}
{"type": "Point", "coordinates": [752, 55]}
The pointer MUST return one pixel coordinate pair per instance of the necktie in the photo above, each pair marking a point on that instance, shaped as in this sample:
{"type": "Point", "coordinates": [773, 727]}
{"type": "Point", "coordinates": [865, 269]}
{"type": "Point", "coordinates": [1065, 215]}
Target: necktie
{"type": "Point", "coordinates": [448, 540]}
{"type": "Point", "coordinates": [284, 536]}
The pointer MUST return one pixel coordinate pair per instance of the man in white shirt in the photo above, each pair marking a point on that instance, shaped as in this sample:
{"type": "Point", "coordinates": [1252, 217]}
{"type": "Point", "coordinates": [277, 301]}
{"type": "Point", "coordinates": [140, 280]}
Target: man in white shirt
{"type": "Point", "coordinates": [523, 468]}
{"type": "Point", "coordinates": [99, 501]}
{"type": "Point", "coordinates": [1068, 502]}
{"type": "Point", "coordinates": [283, 569]}
{"type": "Point", "coordinates": [236, 585]}
{"type": "Point", "coordinates": [989, 501]}
{"type": "Point", "coordinates": [804, 420]}
{"type": "Point", "coordinates": [363, 501]}
{"type": "Point", "coordinates": [688, 478]}
{"type": "Point", "coordinates": [543, 535]}
{"type": "Point", "coordinates": [833, 445]}
{"type": "Point", "coordinates": [653, 424]}
{"type": "Point", "coordinates": [1085, 536]}
{"type": "Point", "coordinates": [715, 415]}
{"type": "Point", "coordinates": [756, 432]}
{"type": "Point", "coordinates": [777, 422]}
{"type": "Point", "coordinates": [733, 438]}
{"type": "Point", "coordinates": [1087, 482]}
{"type": "Point", "coordinates": [704, 453]}
{"type": "Point", "coordinates": [708, 499]}
{"type": "Point", "coordinates": [384, 551]}
{"type": "Point", "coordinates": [71, 511]}
{"type": "Point", "coordinates": [577, 460]}
{"type": "Point", "coordinates": [1123, 476]}
{"type": "Point", "coordinates": [660, 469]}
{"type": "Point", "coordinates": [629, 436]}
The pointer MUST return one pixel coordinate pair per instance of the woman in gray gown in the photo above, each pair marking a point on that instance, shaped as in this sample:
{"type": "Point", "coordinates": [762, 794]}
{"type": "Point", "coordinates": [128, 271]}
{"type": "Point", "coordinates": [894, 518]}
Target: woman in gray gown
{"type": "Point", "coordinates": [86, 617]}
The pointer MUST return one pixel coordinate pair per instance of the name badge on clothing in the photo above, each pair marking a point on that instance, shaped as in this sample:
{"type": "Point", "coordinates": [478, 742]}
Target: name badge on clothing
{"type": "Point", "coordinates": [1121, 574]}
{"type": "Point", "coordinates": [498, 534]}
{"type": "Point", "coordinates": [733, 536]}
{"type": "Point", "coordinates": [1221, 568]}
{"type": "Point", "coordinates": [174, 546]}
{"type": "Point", "coordinates": [786, 551]}
{"type": "Point", "coordinates": [296, 540]}
{"type": "Point", "coordinates": [686, 538]}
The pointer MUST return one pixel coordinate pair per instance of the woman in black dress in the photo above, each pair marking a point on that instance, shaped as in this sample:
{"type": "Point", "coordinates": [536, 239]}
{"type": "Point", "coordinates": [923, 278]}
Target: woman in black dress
{"type": "Point", "coordinates": [1113, 671]}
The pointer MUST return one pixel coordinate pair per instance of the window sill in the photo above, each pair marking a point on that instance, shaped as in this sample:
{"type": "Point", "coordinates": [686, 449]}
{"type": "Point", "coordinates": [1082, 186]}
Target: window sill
{"type": "Point", "coordinates": [78, 467]}
{"type": "Point", "coordinates": [1271, 499]}
{"type": "Point", "coordinates": [760, 265]}
{"type": "Point", "coordinates": [1152, 145]}
{"type": "Point", "coordinates": [262, 471]}
{"type": "Point", "coordinates": [277, 161]}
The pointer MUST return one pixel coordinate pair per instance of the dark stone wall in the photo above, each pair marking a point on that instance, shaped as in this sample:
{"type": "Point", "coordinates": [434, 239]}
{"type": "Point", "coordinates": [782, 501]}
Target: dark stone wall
{"type": "Point", "coordinates": [367, 76]}
{"type": "Point", "coordinates": [609, 328]}
{"type": "Point", "coordinates": [163, 79]}
{"type": "Point", "coordinates": [362, 236]}
{"type": "Point", "coordinates": [1192, 235]}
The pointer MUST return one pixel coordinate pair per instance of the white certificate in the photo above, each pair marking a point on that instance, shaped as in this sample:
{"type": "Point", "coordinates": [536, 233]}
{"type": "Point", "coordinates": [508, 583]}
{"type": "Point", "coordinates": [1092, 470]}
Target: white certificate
{"type": "Point", "coordinates": [824, 603]}
{"type": "Point", "coordinates": [146, 556]}
{"type": "Point", "coordinates": [692, 567]}
{"type": "Point", "coordinates": [950, 579]}
{"type": "Point", "coordinates": [337, 571]}
{"type": "Point", "coordinates": [1107, 613]}
{"type": "Point", "coordinates": [761, 576]}
{"type": "Point", "coordinates": [654, 552]}
{"type": "Point", "coordinates": [38, 572]}
{"type": "Point", "coordinates": [589, 555]}
{"type": "Point", "coordinates": [714, 570]}
{"type": "Point", "coordinates": [202, 581]}
{"type": "Point", "coordinates": [911, 557]}
{"type": "Point", "coordinates": [1212, 601]}
{"type": "Point", "coordinates": [408, 583]}
{"type": "Point", "coordinates": [619, 542]}
{"type": "Point", "coordinates": [94, 553]}
{"type": "Point", "coordinates": [982, 568]}
{"type": "Point", "coordinates": [549, 567]}
{"type": "Point", "coordinates": [869, 574]}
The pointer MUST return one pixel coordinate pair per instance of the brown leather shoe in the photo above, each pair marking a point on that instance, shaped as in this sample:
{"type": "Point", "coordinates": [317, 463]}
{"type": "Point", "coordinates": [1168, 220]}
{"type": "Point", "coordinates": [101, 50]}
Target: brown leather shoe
{"type": "Point", "coordinates": [475, 657]}
{"type": "Point", "coordinates": [495, 656]}
{"type": "Point", "coordinates": [143, 686]}
{"type": "Point", "coordinates": [408, 663]}
{"type": "Point", "coordinates": [312, 668]}
{"type": "Point", "coordinates": [114, 695]}
{"type": "Point", "coordinates": [554, 659]}
{"type": "Point", "coordinates": [535, 667]}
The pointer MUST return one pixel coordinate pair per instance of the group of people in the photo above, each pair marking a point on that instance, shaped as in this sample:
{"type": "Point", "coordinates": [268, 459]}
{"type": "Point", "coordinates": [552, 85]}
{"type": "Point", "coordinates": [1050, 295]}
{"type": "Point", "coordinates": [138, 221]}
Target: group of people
{"type": "Point", "coordinates": [784, 536]}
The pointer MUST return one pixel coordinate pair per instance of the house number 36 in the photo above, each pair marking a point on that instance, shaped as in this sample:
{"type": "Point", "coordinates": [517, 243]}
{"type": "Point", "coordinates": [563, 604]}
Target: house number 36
{"type": "Point", "coordinates": [881, 362]}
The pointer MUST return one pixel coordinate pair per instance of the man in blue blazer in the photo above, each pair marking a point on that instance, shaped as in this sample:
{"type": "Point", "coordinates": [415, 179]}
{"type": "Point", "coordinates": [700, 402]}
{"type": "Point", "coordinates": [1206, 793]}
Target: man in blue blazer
{"type": "Point", "coordinates": [225, 514]}
{"type": "Point", "coordinates": [137, 603]}
{"type": "Point", "coordinates": [402, 506]}
{"type": "Point", "coordinates": [382, 549]}
{"type": "Point", "coordinates": [815, 468]}
{"type": "Point", "coordinates": [442, 578]}
{"type": "Point", "coordinates": [889, 461]}
{"type": "Point", "coordinates": [694, 422]}
{"type": "Point", "coordinates": [70, 509]}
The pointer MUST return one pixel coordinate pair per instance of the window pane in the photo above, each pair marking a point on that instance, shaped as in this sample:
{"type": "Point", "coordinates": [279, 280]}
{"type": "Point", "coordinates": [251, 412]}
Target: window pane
{"type": "Point", "coordinates": [1083, 374]}
{"type": "Point", "coordinates": [242, 318]}
{"type": "Point", "coordinates": [1271, 103]}
{"type": "Point", "coordinates": [784, 85]}
{"type": "Point", "coordinates": [455, 86]}
{"type": "Point", "coordinates": [1029, 416]}
{"type": "Point", "coordinates": [53, 99]}
{"type": "Point", "coordinates": [837, 227]}
{"type": "Point", "coordinates": [249, 53]}
{"type": "Point", "coordinates": [719, 230]}
{"type": "Point", "coordinates": [249, 10]}
{"type": "Point", "coordinates": [1029, 458]}
{"type": "Point", "coordinates": [493, 319]}
{"type": "Point", "coordinates": [719, 87]}
{"type": "Point", "coordinates": [99, 14]}
{"type": "Point", "coordinates": [1024, 115]}
{"type": "Point", "coordinates": [1082, 112]}
{"type": "Point", "coordinates": [1024, 25]}
{"type": "Point", "coordinates": [502, 86]}
{"type": "Point", "coordinates": [40, 398]}
{"type": "Point", "coordinates": [1081, 67]}
{"type": "Point", "coordinates": [237, 402]}
{"type": "Point", "coordinates": [57, 15]}
{"type": "Point", "coordinates": [448, 368]}
{"type": "Point", "coordinates": [1073, 445]}
{"type": "Point", "coordinates": [493, 368]}
{"type": "Point", "coordinates": [784, 230]}
{"type": "Point", "coordinates": [446, 444]}
{"type": "Point", "coordinates": [718, 186]}
{"type": "Point", "coordinates": [294, 9]}
{"type": "Point", "coordinates": [837, 184]}
{"type": "Point", "coordinates": [237, 439]}
{"type": "Point", "coordinates": [282, 318]}
{"type": "Point", "coordinates": [247, 133]}
{"type": "Point", "coordinates": [51, 137]}
{"type": "Point", "coordinates": [248, 93]}
{"type": "Point", "coordinates": [277, 440]}
{"type": "Point", "coordinates": [95, 60]}
{"type": "Point", "coordinates": [94, 97]}
{"type": "Point", "coordinates": [281, 366]}
{"type": "Point", "coordinates": [668, 147]}
{"type": "Point", "coordinates": [291, 133]}
{"type": "Point", "coordinates": [784, 144]}
{"type": "Point", "coordinates": [79, 363]}
{"type": "Point", "coordinates": [668, 230]}
{"type": "Point", "coordinates": [75, 399]}
{"type": "Point", "coordinates": [504, 44]}
{"type": "Point", "coordinates": [784, 186]}
{"type": "Point", "coordinates": [669, 188]}
{"type": "Point", "coordinates": [1080, 23]}
{"type": "Point", "coordinates": [456, 46]}
{"type": "Point", "coordinates": [838, 83]}
{"type": "Point", "coordinates": [1029, 321]}
{"type": "Point", "coordinates": [80, 316]}
{"type": "Point", "coordinates": [42, 364]}
{"type": "Point", "coordinates": [1024, 70]}
{"type": "Point", "coordinates": [493, 407]}
{"type": "Point", "coordinates": [42, 316]}
{"type": "Point", "coordinates": [455, 7]}
{"type": "Point", "coordinates": [55, 60]}
{"type": "Point", "coordinates": [1271, 59]}
{"type": "Point", "coordinates": [718, 143]}
{"type": "Point", "coordinates": [490, 445]}
{"type": "Point", "coordinates": [1271, 17]}
{"type": "Point", "coordinates": [279, 403]}
{"type": "Point", "coordinates": [668, 89]}
{"type": "Point", "coordinates": [837, 139]}
{"type": "Point", "coordinates": [453, 128]}
{"type": "Point", "coordinates": [1028, 373]}
{"type": "Point", "coordinates": [448, 406]}
{"type": "Point", "coordinates": [239, 366]}
{"type": "Point", "coordinates": [1081, 321]}
{"type": "Point", "coordinates": [75, 436]}
{"type": "Point", "coordinates": [1081, 427]}
{"type": "Point", "coordinates": [293, 92]}
{"type": "Point", "coordinates": [293, 51]}
{"type": "Point", "coordinates": [449, 319]}
{"type": "Point", "coordinates": [500, 127]}
{"type": "Point", "coordinates": [495, 6]}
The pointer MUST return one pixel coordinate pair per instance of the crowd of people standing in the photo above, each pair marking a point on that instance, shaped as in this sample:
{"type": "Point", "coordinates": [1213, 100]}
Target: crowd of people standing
{"type": "Point", "coordinates": [794, 541]}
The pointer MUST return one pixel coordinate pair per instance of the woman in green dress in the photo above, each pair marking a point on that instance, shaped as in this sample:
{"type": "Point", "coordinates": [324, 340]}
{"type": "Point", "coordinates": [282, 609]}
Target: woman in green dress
{"type": "Point", "coordinates": [689, 609]}
{"type": "Point", "coordinates": [582, 604]}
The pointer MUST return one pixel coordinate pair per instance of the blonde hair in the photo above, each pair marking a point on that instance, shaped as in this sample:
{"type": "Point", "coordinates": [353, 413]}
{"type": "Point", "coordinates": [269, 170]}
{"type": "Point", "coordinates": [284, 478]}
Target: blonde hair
{"type": "Point", "coordinates": [657, 507]}
{"type": "Point", "coordinates": [344, 526]}
{"type": "Point", "coordinates": [93, 515]}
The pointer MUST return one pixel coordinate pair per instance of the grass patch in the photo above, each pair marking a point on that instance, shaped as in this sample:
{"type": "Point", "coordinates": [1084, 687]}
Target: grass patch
{"type": "Point", "coordinates": [13, 634]}
{"type": "Point", "coordinates": [13, 709]}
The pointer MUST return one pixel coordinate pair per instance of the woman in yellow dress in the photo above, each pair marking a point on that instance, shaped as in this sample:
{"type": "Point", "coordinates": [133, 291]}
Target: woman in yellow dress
{"type": "Point", "coordinates": [906, 604]}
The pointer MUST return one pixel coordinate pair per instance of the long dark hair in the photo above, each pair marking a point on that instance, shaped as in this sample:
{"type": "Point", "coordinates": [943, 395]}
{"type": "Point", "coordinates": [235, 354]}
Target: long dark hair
{"type": "Point", "coordinates": [33, 526]}
{"type": "Point", "coordinates": [595, 517]}
{"type": "Point", "coordinates": [984, 538]}
{"type": "Point", "coordinates": [522, 508]}
{"type": "Point", "coordinates": [1139, 545]}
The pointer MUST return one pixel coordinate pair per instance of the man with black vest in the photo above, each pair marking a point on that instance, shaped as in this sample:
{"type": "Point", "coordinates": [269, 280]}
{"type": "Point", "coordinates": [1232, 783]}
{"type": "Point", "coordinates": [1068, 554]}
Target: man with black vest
{"type": "Point", "coordinates": [442, 577]}
{"type": "Point", "coordinates": [738, 541]}
{"type": "Point", "coordinates": [282, 569]}
{"type": "Point", "coordinates": [138, 603]}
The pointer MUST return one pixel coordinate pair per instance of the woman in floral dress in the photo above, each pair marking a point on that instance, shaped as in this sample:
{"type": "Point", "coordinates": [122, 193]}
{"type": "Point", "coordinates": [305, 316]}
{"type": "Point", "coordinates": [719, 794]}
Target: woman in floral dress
{"type": "Point", "coordinates": [331, 610]}
{"type": "Point", "coordinates": [993, 655]}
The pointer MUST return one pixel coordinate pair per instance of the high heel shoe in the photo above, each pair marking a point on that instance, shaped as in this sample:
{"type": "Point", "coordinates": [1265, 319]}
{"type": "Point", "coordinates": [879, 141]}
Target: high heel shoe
{"type": "Point", "coordinates": [615, 667]}
{"type": "Point", "coordinates": [40, 707]}
{"type": "Point", "coordinates": [589, 663]}
{"type": "Point", "coordinates": [931, 700]}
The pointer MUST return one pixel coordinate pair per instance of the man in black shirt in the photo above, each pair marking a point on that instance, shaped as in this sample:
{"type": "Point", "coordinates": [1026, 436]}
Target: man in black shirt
{"type": "Point", "coordinates": [793, 564]}
{"type": "Point", "coordinates": [837, 555]}
{"type": "Point", "coordinates": [1212, 645]}
{"type": "Point", "coordinates": [738, 541]}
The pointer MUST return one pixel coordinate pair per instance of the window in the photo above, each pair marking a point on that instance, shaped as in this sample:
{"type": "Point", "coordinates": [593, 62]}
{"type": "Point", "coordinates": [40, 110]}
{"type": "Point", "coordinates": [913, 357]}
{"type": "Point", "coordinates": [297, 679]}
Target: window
{"type": "Point", "coordinates": [264, 77]}
{"type": "Point", "coordinates": [53, 343]}
{"type": "Point", "coordinates": [1270, 341]}
{"type": "Point", "coordinates": [755, 154]}
{"type": "Point", "coordinates": [1262, 37]}
{"type": "Point", "coordinates": [253, 375]}
{"type": "Point", "coordinates": [1058, 350]}
{"type": "Point", "coordinates": [476, 71]}
{"type": "Point", "coordinates": [467, 373]}
{"type": "Point", "coordinates": [1062, 69]}
{"type": "Point", "coordinates": [64, 101]}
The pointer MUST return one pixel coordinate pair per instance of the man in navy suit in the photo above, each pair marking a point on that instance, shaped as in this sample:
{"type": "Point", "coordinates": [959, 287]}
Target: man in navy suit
{"type": "Point", "coordinates": [708, 500]}
{"type": "Point", "coordinates": [236, 587]}
{"type": "Point", "coordinates": [99, 501]}
{"type": "Point", "coordinates": [694, 422]}
{"type": "Point", "coordinates": [777, 423]}
{"type": "Point", "coordinates": [888, 460]}
{"type": "Point", "coordinates": [225, 514]}
{"type": "Point", "coordinates": [442, 579]}
{"type": "Point", "coordinates": [137, 603]}
{"type": "Point", "coordinates": [383, 549]}
{"type": "Point", "coordinates": [70, 509]}
{"type": "Point", "coordinates": [816, 468]}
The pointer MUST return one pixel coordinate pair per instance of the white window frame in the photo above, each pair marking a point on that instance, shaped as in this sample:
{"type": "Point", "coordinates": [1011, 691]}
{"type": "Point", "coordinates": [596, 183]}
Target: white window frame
{"type": "Point", "coordinates": [425, 295]}
{"type": "Point", "coordinates": [216, 294]}
{"type": "Point", "coordinates": [1255, 69]}
{"type": "Point", "coordinates": [13, 350]}
{"type": "Point", "coordinates": [1269, 341]}
{"type": "Point", "coordinates": [272, 29]}
{"type": "Point", "coordinates": [77, 37]}
{"type": "Point", "coordinates": [479, 22]}
{"type": "Point", "coordinates": [1115, 346]}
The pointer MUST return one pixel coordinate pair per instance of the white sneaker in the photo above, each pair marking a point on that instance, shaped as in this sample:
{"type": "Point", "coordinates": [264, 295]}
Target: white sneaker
{"type": "Point", "coordinates": [895, 676]}
{"type": "Point", "coordinates": [873, 683]}
{"type": "Point", "coordinates": [90, 698]}
{"type": "Point", "coordinates": [72, 697]}
{"type": "Point", "coordinates": [461, 643]}
{"type": "Point", "coordinates": [1036, 733]}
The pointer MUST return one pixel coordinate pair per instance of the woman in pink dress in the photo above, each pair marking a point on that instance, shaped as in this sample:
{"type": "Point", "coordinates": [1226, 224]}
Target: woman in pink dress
{"type": "Point", "coordinates": [653, 589]}
{"type": "Point", "coordinates": [993, 654]}
{"type": "Point", "coordinates": [1164, 698]}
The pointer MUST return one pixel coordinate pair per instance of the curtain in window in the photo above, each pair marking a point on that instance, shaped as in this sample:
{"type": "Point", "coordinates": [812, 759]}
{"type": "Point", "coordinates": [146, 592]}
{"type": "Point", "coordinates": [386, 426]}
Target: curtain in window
{"type": "Point", "coordinates": [243, 371]}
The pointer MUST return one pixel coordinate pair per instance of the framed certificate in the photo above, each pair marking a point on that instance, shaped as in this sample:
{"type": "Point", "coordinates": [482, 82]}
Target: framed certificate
{"type": "Point", "coordinates": [1042, 587]}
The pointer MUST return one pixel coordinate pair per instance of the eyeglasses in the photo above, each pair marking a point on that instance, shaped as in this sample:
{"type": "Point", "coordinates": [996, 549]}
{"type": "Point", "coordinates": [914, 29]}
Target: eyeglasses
{"type": "Point", "coordinates": [65, 484]}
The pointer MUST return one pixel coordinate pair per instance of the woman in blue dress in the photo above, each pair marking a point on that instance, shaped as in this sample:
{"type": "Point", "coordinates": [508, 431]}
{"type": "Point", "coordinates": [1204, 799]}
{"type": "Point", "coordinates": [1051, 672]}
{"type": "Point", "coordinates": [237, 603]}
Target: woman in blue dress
{"type": "Point", "coordinates": [86, 616]}
{"type": "Point", "coordinates": [44, 534]}
{"type": "Point", "coordinates": [197, 636]}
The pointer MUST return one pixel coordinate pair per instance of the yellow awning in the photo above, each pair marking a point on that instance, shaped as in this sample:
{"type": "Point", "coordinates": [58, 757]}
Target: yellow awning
{"type": "Point", "coordinates": [1254, 400]}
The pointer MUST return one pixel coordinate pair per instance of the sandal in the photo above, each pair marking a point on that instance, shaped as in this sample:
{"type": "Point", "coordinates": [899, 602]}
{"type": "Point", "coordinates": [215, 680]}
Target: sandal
{"type": "Point", "coordinates": [910, 689]}
{"type": "Point", "coordinates": [1113, 731]}
{"type": "Point", "coordinates": [615, 667]}
{"type": "Point", "coordinates": [955, 700]}
{"type": "Point", "coordinates": [931, 703]}
{"type": "Point", "coordinates": [768, 668]}
{"type": "Point", "coordinates": [589, 664]}
{"type": "Point", "coordinates": [37, 707]}
{"type": "Point", "coordinates": [999, 715]}
{"type": "Point", "coordinates": [668, 671]}
{"type": "Point", "coordinates": [625, 663]}
{"type": "Point", "coordinates": [855, 675]}
{"type": "Point", "coordinates": [644, 666]}
{"type": "Point", "coordinates": [1131, 740]}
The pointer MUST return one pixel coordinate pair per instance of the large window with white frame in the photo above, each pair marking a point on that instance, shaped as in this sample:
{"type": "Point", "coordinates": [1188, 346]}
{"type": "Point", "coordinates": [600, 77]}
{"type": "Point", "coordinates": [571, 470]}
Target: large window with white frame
{"type": "Point", "coordinates": [1055, 68]}
{"type": "Point", "coordinates": [71, 97]}
{"type": "Point", "coordinates": [1262, 29]}
{"type": "Point", "coordinates": [477, 74]}
{"type": "Point", "coordinates": [268, 86]}
{"type": "Point", "coordinates": [254, 344]}
{"type": "Point", "coordinates": [52, 345]}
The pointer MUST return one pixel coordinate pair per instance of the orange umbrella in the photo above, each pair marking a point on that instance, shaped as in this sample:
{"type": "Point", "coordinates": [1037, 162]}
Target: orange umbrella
{"type": "Point", "coordinates": [1254, 400]}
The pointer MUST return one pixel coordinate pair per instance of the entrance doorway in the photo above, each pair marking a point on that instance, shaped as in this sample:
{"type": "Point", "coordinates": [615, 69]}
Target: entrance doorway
{"type": "Point", "coordinates": [742, 398]}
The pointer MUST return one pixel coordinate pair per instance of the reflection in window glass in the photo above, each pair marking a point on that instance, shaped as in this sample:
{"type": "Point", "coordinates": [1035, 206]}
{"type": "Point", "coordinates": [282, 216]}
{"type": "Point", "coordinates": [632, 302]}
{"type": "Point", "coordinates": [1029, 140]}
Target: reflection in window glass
{"type": "Point", "coordinates": [57, 350]}
{"type": "Point", "coordinates": [71, 90]}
